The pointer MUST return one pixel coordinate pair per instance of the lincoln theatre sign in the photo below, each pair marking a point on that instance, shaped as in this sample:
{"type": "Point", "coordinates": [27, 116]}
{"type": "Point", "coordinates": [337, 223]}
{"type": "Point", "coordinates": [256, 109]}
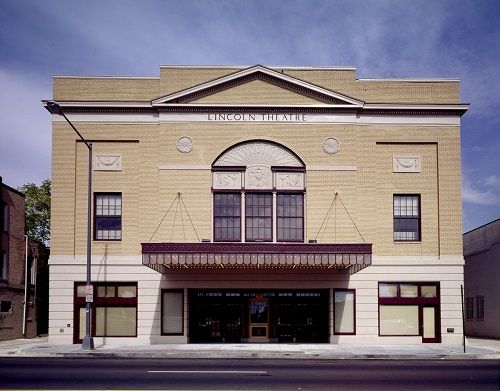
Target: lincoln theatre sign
{"type": "Point", "coordinates": [256, 117]}
{"type": "Point", "coordinates": [258, 205]}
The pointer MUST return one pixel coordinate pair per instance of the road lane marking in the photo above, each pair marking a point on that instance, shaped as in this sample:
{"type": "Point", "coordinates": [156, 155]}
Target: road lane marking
{"type": "Point", "coordinates": [214, 372]}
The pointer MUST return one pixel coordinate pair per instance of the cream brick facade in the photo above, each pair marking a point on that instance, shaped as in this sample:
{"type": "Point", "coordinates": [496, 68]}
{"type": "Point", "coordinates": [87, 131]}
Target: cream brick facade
{"type": "Point", "coordinates": [374, 121]}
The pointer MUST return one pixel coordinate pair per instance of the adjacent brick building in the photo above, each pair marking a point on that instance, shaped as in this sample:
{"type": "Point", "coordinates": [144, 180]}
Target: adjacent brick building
{"type": "Point", "coordinates": [258, 204]}
{"type": "Point", "coordinates": [481, 275]}
{"type": "Point", "coordinates": [12, 272]}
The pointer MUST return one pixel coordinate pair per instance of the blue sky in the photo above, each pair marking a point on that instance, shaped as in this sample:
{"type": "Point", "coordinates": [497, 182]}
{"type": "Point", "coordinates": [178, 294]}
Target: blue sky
{"type": "Point", "coordinates": [452, 39]}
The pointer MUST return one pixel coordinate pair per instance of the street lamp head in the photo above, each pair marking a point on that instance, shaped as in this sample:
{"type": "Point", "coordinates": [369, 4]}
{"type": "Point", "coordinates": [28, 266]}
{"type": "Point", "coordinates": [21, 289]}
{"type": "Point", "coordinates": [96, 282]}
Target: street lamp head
{"type": "Point", "coordinates": [54, 107]}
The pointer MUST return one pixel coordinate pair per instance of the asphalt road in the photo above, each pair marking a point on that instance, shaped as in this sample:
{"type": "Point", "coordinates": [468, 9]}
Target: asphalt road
{"type": "Point", "coordinates": [202, 374]}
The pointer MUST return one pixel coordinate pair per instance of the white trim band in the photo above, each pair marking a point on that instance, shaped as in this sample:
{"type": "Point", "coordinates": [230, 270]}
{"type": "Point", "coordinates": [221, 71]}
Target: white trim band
{"type": "Point", "coordinates": [173, 167]}
{"type": "Point", "coordinates": [184, 167]}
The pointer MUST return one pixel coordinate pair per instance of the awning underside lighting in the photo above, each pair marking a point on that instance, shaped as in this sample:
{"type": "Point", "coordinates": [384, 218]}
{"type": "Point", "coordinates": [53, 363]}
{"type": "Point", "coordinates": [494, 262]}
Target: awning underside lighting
{"type": "Point", "coordinates": [202, 256]}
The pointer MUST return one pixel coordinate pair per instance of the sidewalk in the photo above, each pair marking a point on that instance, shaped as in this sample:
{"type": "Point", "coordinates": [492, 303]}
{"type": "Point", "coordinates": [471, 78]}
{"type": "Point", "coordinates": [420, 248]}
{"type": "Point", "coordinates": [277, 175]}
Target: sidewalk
{"type": "Point", "coordinates": [476, 349]}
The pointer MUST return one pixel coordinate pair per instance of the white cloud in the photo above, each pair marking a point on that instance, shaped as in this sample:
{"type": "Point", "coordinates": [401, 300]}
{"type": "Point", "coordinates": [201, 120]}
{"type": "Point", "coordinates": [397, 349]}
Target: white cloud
{"type": "Point", "coordinates": [472, 194]}
{"type": "Point", "coordinates": [492, 181]}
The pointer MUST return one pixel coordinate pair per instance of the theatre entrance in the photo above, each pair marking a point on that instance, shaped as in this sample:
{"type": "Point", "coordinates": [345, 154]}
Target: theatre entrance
{"type": "Point", "coordinates": [258, 315]}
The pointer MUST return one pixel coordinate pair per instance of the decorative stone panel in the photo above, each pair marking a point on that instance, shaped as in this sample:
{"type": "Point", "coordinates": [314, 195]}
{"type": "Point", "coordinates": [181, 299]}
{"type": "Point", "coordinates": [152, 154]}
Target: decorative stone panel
{"type": "Point", "coordinates": [289, 180]}
{"type": "Point", "coordinates": [108, 162]}
{"type": "Point", "coordinates": [406, 163]}
{"type": "Point", "coordinates": [226, 180]}
{"type": "Point", "coordinates": [261, 153]}
{"type": "Point", "coordinates": [258, 177]}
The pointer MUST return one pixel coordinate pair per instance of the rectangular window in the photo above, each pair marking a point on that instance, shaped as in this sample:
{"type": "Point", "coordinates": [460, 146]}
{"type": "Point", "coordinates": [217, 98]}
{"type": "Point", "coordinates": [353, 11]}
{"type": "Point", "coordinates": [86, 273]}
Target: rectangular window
{"type": "Point", "coordinates": [409, 308]}
{"type": "Point", "coordinates": [172, 312]}
{"type": "Point", "coordinates": [344, 311]}
{"type": "Point", "coordinates": [469, 308]}
{"type": "Point", "coordinates": [398, 319]}
{"type": "Point", "coordinates": [406, 217]}
{"type": "Point", "coordinates": [5, 306]}
{"type": "Point", "coordinates": [32, 265]}
{"type": "Point", "coordinates": [388, 290]}
{"type": "Point", "coordinates": [114, 311]}
{"type": "Point", "coordinates": [408, 290]}
{"type": "Point", "coordinates": [80, 290]}
{"type": "Point", "coordinates": [259, 217]}
{"type": "Point", "coordinates": [108, 216]}
{"type": "Point", "coordinates": [428, 290]}
{"type": "Point", "coordinates": [227, 217]}
{"type": "Point", "coordinates": [5, 220]}
{"type": "Point", "coordinates": [290, 215]}
{"type": "Point", "coordinates": [106, 291]}
{"type": "Point", "coordinates": [116, 321]}
{"type": "Point", "coordinates": [480, 307]}
{"type": "Point", "coordinates": [4, 265]}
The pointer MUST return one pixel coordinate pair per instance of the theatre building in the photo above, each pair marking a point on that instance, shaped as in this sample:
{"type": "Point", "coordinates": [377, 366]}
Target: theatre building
{"type": "Point", "coordinates": [256, 204]}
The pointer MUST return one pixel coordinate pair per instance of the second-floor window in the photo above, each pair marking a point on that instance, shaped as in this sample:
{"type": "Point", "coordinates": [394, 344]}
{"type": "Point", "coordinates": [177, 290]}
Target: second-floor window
{"type": "Point", "coordinates": [407, 218]}
{"type": "Point", "coordinates": [5, 220]}
{"type": "Point", "coordinates": [265, 217]}
{"type": "Point", "coordinates": [227, 217]}
{"type": "Point", "coordinates": [290, 216]}
{"type": "Point", "coordinates": [259, 189]}
{"type": "Point", "coordinates": [108, 216]}
{"type": "Point", "coordinates": [259, 217]}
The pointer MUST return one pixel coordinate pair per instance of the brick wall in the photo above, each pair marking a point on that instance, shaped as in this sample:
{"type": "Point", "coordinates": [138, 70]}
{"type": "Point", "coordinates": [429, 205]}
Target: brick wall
{"type": "Point", "coordinates": [12, 288]}
{"type": "Point", "coordinates": [366, 192]}
{"type": "Point", "coordinates": [173, 79]}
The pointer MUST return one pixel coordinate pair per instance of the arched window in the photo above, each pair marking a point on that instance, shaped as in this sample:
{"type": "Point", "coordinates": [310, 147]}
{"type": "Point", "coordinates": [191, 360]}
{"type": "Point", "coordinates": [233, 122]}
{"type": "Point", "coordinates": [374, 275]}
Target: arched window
{"type": "Point", "coordinates": [258, 191]}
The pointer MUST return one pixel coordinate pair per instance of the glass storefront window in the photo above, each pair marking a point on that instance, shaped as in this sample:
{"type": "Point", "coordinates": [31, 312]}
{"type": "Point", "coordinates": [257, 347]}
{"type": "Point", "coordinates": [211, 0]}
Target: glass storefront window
{"type": "Point", "coordinates": [398, 319]}
{"type": "Point", "coordinates": [388, 290]}
{"type": "Point", "coordinates": [80, 290]}
{"type": "Point", "coordinates": [127, 291]}
{"type": "Point", "coordinates": [116, 321]}
{"type": "Point", "coordinates": [172, 313]}
{"type": "Point", "coordinates": [81, 329]}
{"type": "Point", "coordinates": [106, 291]}
{"type": "Point", "coordinates": [344, 312]}
{"type": "Point", "coordinates": [409, 290]}
{"type": "Point", "coordinates": [112, 315]}
{"type": "Point", "coordinates": [429, 291]}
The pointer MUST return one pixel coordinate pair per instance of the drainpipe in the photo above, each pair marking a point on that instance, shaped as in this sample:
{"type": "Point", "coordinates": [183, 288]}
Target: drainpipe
{"type": "Point", "coordinates": [25, 285]}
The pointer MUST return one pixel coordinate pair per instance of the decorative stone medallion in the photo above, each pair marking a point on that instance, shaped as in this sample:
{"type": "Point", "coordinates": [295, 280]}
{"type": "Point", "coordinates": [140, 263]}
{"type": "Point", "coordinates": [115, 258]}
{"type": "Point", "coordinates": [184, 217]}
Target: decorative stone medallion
{"type": "Point", "coordinates": [406, 163]}
{"type": "Point", "coordinates": [108, 162]}
{"type": "Point", "coordinates": [185, 144]}
{"type": "Point", "coordinates": [331, 145]}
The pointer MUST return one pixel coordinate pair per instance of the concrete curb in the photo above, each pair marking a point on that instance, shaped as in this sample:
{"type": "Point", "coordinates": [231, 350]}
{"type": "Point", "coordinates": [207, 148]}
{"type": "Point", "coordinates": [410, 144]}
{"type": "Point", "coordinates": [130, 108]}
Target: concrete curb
{"type": "Point", "coordinates": [206, 355]}
{"type": "Point", "coordinates": [482, 350]}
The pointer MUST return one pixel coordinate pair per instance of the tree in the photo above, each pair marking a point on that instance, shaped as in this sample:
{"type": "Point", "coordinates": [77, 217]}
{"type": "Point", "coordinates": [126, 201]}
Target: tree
{"type": "Point", "coordinates": [37, 210]}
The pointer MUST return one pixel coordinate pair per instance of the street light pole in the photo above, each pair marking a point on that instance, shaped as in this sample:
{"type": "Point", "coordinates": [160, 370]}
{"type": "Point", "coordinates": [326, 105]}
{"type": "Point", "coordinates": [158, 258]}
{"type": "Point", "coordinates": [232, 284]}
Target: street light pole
{"type": "Point", "coordinates": [88, 340]}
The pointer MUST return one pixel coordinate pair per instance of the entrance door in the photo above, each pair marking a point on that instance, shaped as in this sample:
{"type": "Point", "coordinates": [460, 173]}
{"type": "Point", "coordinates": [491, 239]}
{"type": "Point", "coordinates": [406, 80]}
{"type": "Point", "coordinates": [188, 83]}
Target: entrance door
{"type": "Point", "coordinates": [230, 315]}
{"type": "Point", "coordinates": [259, 319]}
{"type": "Point", "coordinates": [430, 324]}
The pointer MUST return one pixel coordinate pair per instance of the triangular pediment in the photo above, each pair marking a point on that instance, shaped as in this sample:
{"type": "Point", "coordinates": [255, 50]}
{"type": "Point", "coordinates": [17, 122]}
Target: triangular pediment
{"type": "Point", "coordinates": [257, 85]}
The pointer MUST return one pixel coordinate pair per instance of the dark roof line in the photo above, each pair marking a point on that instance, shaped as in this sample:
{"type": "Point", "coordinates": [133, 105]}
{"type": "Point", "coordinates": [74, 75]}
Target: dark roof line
{"type": "Point", "coordinates": [481, 226]}
{"type": "Point", "coordinates": [11, 188]}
